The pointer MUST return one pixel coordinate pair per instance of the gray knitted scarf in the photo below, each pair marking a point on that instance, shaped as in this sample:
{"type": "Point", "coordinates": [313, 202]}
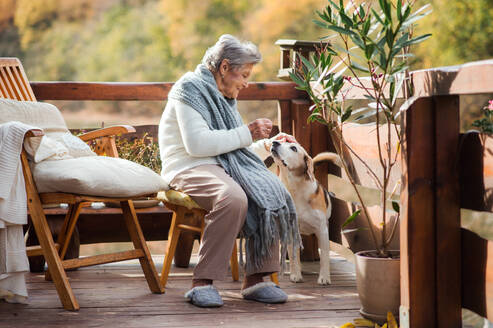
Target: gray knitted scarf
{"type": "Point", "coordinates": [271, 212]}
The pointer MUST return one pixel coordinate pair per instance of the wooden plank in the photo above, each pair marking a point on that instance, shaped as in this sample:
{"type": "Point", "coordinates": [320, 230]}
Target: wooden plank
{"type": "Point", "coordinates": [474, 249]}
{"type": "Point", "coordinates": [6, 85]}
{"type": "Point", "coordinates": [302, 132]}
{"type": "Point", "coordinates": [103, 258]}
{"type": "Point", "coordinates": [58, 197]}
{"type": "Point", "coordinates": [37, 250]}
{"type": "Point", "coordinates": [467, 79]}
{"type": "Point", "coordinates": [21, 84]}
{"type": "Point", "coordinates": [284, 116]}
{"type": "Point", "coordinates": [106, 132]}
{"type": "Point", "coordinates": [474, 267]}
{"type": "Point", "coordinates": [25, 82]}
{"type": "Point", "coordinates": [14, 83]}
{"type": "Point", "coordinates": [301, 128]}
{"type": "Point", "coordinates": [447, 212]}
{"type": "Point", "coordinates": [417, 226]}
{"type": "Point", "coordinates": [157, 91]}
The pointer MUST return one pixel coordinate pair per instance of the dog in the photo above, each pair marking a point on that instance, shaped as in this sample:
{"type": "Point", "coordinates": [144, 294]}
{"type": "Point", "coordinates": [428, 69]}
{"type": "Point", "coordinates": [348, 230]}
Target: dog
{"type": "Point", "coordinates": [295, 169]}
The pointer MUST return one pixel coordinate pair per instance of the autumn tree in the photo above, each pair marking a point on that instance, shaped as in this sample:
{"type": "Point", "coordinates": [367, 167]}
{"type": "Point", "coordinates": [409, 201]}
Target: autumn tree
{"type": "Point", "coordinates": [461, 32]}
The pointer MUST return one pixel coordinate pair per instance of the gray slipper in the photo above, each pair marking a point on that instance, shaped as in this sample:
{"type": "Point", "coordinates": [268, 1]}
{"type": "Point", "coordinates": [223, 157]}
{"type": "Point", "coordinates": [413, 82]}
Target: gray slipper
{"type": "Point", "coordinates": [265, 292]}
{"type": "Point", "coordinates": [204, 296]}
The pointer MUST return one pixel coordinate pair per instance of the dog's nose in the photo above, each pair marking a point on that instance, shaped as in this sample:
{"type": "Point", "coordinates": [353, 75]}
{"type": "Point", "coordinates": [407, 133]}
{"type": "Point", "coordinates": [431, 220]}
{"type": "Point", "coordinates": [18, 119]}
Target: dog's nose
{"type": "Point", "coordinates": [275, 144]}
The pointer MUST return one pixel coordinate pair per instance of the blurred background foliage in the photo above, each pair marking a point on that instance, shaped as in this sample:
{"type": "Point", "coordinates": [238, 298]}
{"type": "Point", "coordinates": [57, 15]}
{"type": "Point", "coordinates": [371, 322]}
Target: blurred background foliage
{"type": "Point", "coordinates": [159, 40]}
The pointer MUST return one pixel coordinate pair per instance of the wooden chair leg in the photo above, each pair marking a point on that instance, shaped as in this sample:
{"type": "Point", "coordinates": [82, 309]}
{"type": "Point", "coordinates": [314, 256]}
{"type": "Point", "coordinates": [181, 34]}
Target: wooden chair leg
{"type": "Point", "coordinates": [235, 273]}
{"type": "Point", "coordinates": [65, 234]}
{"type": "Point", "coordinates": [68, 228]}
{"type": "Point", "coordinates": [173, 236]}
{"type": "Point", "coordinates": [50, 254]}
{"type": "Point", "coordinates": [274, 278]}
{"type": "Point", "coordinates": [139, 242]}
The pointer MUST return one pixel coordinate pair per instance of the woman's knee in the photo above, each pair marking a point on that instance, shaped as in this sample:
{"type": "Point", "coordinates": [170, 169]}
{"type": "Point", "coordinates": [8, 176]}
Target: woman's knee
{"type": "Point", "coordinates": [235, 198]}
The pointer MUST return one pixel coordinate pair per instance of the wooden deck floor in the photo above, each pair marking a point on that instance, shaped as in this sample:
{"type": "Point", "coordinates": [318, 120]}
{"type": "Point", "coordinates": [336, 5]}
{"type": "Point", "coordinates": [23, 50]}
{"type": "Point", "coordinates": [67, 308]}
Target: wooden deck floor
{"type": "Point", "coordinates": [116, 295]}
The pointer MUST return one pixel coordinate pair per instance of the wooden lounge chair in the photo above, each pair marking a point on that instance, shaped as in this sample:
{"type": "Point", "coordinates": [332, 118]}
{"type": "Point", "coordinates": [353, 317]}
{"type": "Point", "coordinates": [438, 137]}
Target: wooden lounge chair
{"type": "Point", "coordinates": [15, 85]}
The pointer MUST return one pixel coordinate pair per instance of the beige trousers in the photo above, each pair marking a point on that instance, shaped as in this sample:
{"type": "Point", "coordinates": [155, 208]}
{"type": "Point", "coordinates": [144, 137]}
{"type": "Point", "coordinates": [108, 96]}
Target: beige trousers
{"type": "Point", "coordinates": [224, 199]}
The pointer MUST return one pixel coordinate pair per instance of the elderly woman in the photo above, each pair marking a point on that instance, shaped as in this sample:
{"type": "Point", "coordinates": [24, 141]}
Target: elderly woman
{"type": "Point", "coordinates": [204, 150]}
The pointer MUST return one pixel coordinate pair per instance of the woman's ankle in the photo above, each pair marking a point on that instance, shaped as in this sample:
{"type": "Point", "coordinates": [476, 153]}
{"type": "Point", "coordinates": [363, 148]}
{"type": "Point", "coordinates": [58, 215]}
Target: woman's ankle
{"type": "Point", "coordinates": [252, 280]}
{"type": "Point", "coordinates": [201, 282]}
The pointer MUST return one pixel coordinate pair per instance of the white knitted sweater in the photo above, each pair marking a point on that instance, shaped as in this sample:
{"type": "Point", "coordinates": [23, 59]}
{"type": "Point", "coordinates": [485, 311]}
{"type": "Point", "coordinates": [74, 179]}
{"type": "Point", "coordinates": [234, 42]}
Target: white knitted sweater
{"type": "Point", "coordinates": [186, 141]}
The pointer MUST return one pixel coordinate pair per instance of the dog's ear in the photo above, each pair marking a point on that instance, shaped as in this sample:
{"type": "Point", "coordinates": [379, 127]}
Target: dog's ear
{"type": "Point", "coordinates": [309, 168]}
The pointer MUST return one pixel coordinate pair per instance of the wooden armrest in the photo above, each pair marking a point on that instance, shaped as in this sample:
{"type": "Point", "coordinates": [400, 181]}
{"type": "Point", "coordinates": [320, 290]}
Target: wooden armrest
{"type": "Point", "coordinates": [106, 132]}
{"type": "Point", "coordinates": [34, 133]}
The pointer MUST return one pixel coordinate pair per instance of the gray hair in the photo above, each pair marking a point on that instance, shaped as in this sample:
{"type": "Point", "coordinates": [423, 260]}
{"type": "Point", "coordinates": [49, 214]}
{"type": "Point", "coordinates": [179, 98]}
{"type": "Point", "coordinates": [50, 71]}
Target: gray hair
{"type": "Point", "coordinates": [236, 52]}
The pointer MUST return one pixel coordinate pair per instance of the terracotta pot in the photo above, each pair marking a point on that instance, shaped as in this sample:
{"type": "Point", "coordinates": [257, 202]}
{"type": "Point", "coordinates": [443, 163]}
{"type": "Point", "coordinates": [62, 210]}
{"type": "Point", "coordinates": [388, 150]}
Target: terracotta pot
{"type": "Point", "coordinates": [378, 282]}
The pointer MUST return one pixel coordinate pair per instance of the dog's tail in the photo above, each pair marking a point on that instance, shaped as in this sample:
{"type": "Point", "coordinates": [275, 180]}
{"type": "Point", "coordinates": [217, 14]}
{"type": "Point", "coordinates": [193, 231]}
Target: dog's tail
{"type": "Point", "coordinates": [328, 157]}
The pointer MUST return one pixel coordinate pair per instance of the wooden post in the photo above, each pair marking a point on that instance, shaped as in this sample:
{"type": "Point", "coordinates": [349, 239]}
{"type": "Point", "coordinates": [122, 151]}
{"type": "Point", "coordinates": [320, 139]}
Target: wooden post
{"type": "Point", "coordinates": [474, 248]}
{"type": "Point", "coordinates": [447, 212]}
{"type": "Point", "coordinates": [417, 229]}
{"type": "Point", "coordinates": [302, 131]}
{"type": "Point", "coordinates": [284, 119]}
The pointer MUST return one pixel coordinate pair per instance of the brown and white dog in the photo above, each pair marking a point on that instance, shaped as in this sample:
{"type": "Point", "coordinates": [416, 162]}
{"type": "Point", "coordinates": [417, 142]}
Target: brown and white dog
{"type": "Point", "coordinates": [313, 206]}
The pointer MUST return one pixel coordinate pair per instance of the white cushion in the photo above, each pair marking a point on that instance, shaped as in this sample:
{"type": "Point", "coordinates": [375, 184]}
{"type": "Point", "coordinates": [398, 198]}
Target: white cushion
{"type": "Point", "coordinates": [97, 176]}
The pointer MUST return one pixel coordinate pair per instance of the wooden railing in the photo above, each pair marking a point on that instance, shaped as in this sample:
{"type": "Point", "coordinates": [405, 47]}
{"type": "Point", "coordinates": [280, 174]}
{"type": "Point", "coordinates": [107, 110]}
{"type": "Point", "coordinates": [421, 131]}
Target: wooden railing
{"type": "Point", "coordinates": [443, 266]}
{"type": "Point", "coordinates": [292, 115]}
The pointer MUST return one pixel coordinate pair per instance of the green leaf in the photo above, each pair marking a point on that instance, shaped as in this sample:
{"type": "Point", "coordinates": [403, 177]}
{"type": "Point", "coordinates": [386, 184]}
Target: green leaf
{"type": "Point", "coordinates": [362, 12]}
{"type": "Point", "coordinates": [395, 206]}
{"type": "Point", "coordinates": [350, 53]}
{"type": "Point", "coordinates": [366, 115]}
{"type": "Point", "coordinates": [402, 39]}
{"type": "Point", "coordinates": [297, 80]}
{"type": "Point", "coordinates": [385, 5]}
{"type": "Point", "coordinates": [366, 27]}
{"type": "Point", "coordinates": [399, 68]}
{"type": "Point", "coordinates": [382, 63]}
{"type": "Point", "coordinates": [398, 85]}
{"type": "Point", "coordinates": [345, 19]}
{"type": "Point", "coordinates": [351, 218]}
{"type": "Point", "coordinates": [359, 67]}
{"type": "Point", "coordinates": [346, 115]}
{"type": "Point", "coordinates": [406, 12]}
{"type": "Point", "coordinates": [415, 17]}
{"type": "Point", "coordinates": [360, 110]}
{"type": "Point", "coordinates": [334, 5]}
{"type": "Point", "coordinates": [319, 23]}
{"type": "Point", "coordinates": [405, 55]}
{"type": "Point", "coordinates": [370, 49]}
{"type": "Point", "coordinates": [358, 41]}
{"type": "Point", "coordinates": [340, 30]}
{"type": "Point", "coordinates": [399, 10]}
{"type": "Point", "coordinates": [307, 63]}
{"type": "Point", "coordinates": [377, 16]}
{"type": "Point", "coordinates": [418, 39]}
{"type": "Point", "coordinates": [389, 37]}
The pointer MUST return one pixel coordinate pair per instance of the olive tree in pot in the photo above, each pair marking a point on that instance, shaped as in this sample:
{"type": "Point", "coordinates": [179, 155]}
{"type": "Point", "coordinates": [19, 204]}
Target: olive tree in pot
{"type": "Point", "coordinates": [366, 39]}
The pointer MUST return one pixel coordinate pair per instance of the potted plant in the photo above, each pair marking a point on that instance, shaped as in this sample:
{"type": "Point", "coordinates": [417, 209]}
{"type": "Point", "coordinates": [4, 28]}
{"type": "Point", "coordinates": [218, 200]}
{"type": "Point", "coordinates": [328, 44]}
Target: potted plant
{"type": "Point", "coordinates": [373, 40]}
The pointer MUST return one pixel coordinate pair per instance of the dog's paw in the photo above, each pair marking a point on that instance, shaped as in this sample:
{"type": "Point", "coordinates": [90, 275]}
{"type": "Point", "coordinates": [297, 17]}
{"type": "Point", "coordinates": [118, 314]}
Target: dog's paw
{"type": "Point", "coordinates": [324, 280]}
{"type": "Point", "coordinates": [296, 277]}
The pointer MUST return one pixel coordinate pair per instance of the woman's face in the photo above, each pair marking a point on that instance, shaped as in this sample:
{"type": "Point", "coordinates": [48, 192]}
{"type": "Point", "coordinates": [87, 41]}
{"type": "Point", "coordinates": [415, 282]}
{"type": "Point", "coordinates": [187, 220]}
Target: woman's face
{"type": "Point", "coordinates": [233, 80]}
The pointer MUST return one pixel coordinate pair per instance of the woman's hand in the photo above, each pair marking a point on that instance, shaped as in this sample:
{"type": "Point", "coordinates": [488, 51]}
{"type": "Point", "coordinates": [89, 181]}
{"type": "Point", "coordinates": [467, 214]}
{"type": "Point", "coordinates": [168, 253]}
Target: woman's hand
{"type": "Point", "coordinates": [260, 128]}
{"type": "Point", "coordinates": [284, 137]}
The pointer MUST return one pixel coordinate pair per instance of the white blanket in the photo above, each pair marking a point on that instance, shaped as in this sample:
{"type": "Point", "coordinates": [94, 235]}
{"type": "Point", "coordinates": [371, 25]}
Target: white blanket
{"type": "Point", "coordinates": [13, 213]}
